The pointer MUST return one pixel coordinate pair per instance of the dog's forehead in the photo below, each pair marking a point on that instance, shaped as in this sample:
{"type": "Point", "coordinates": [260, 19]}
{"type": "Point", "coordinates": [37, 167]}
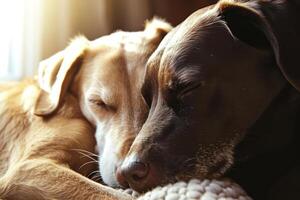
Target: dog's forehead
{"type": "Point", "coordinates": [188, 35]}
{"type": "Point", "coordinates": [118, 60]}
{"type": "Point", "coordinates": [129, 41]}
{"type": "Point", "coordinates": [133, 48]}
{"type": "Point", "coordinates": [181, 42]}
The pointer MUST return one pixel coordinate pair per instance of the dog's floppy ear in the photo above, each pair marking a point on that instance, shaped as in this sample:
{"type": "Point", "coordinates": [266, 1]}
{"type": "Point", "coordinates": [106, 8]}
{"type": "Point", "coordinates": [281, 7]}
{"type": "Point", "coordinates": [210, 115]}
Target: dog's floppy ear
{"type": "Point", "coordinates": [55, 75]}
{"type": "Point", "coordinates": [156, 29]}
{"type": "Point", "coordinates": [268, 24]}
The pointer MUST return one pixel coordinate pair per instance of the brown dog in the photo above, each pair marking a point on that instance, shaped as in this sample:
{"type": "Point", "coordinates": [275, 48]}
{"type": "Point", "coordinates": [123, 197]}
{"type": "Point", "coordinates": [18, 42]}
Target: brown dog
{"type": "Point", "coordinates": [220, 93]}
{"type": "Point", "coordinates": [43, 133]}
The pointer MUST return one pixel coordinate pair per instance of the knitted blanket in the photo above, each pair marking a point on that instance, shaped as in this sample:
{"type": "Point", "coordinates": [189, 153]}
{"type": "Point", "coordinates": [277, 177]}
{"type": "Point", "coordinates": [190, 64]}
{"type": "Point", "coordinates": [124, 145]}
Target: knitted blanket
{"type": "Point", "coordinates": [195, 189]}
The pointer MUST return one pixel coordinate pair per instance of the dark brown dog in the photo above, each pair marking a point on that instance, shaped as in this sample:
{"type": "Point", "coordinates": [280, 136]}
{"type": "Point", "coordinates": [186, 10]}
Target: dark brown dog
{"type": "Point", "coordinates": [222, 98]}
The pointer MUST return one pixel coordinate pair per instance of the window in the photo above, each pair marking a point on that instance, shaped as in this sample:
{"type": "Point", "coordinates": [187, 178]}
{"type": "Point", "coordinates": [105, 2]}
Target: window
{"type": "Point", "coordinates": [11, 23]}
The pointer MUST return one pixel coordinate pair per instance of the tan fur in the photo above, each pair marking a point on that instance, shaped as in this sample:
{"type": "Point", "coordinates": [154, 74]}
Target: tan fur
{"type": "Point", "coordinates": [106, 75]}
{"type": "Point", "coordinates": [42, 158]}
{"type": "Point", "coordinates": [46, 142]}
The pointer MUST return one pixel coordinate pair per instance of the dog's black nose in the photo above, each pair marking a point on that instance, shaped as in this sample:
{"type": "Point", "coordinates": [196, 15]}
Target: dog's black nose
{"type": "Point", "coordinates": [135, 171]}
{"type": "Point", "coordinates": [139, 175]}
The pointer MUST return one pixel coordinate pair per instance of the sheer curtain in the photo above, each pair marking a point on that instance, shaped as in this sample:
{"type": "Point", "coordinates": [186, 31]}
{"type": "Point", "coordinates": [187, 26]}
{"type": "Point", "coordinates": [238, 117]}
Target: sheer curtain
{"type": "Point", "coordinates": [32, 30]}
{"type": "Point", "coordinates": [11, 34]}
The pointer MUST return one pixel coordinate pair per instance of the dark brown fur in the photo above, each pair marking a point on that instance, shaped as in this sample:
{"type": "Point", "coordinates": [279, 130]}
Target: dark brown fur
{"type": "Point", "coordinates": [222, 98]}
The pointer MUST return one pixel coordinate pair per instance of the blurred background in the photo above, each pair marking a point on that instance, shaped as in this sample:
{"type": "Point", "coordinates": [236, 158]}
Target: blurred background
{"type": "Point", "coordinates": [32, 30]}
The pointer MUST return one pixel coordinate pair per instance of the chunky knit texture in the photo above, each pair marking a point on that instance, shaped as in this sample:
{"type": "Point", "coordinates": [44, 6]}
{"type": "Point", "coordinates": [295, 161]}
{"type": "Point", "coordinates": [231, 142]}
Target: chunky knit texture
{"type": "Point", "coordinates": [196, 189]}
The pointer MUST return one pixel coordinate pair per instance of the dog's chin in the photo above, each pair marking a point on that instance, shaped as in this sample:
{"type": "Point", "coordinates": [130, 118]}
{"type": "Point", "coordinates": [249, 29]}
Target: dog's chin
{"type": "Point", "coordinates": [108, 176]}
{"type": "Point", "coordinates": [202, 166]}
{"type": "Point", "coordinates": [201, 171]}
{"type": "Point", "coordinates": [107, 165]}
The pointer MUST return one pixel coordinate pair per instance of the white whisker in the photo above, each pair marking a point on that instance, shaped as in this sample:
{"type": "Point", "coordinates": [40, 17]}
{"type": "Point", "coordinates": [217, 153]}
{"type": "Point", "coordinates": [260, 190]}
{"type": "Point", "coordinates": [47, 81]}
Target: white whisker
{"type": "Point", "coordinates": [90, 162]}
{"type": "Point", "coordinates": [88, 156]}
{"type": "Point", "coordinates": [93, 172]}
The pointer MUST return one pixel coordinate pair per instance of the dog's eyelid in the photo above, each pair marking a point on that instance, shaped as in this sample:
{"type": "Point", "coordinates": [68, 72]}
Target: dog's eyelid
{"type": "Point", "coordinates": [95, 100]}
{"type": "Point", "coordinates": [184, 89]}
{"type": "Point", "coordinates": [100, 103]}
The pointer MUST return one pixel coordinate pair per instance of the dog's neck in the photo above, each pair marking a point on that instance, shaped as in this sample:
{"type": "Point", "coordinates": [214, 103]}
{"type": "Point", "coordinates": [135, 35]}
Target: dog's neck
{"type": "Point", "coordinates": [270, 148]}
{"type": "Point", "coordinates": [276, 127]}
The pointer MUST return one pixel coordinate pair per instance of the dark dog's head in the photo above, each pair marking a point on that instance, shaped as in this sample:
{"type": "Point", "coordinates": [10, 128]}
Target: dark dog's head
{"type": "Point", "coordinates": [209, 80]}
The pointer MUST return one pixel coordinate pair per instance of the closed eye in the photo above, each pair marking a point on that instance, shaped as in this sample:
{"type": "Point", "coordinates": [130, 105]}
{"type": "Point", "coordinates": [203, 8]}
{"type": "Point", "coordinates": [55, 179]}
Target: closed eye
{"type": "Point", "coordinates": [100, 104]}
{"type": "Point", "coordinates": [177, 95]}
{"type": "Point", "coordinates": [186, 90]}
{"type": "Point", "coordinates": [187, 79]}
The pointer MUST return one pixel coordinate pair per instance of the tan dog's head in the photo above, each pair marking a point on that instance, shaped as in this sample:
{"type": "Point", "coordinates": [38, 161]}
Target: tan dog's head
{"type": "Point", "coordinates": [106, 76]}
{"type": "Point", "coordinates": [209, 80]}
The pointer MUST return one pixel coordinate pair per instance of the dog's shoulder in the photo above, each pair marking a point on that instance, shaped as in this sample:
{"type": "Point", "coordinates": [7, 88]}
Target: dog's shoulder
{"type": "Point", "coordinates": [15, 100]}
{"type": "Point", "coordinates": [28, 136]}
